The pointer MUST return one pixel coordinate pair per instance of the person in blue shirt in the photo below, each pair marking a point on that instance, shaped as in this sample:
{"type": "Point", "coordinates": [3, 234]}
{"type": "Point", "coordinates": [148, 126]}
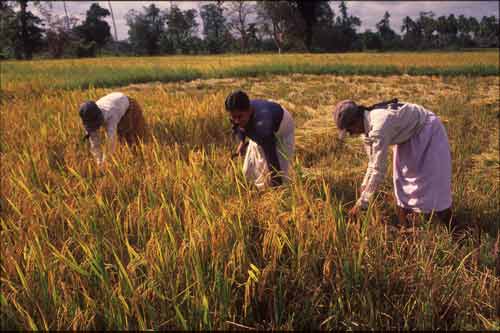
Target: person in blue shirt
{"type": "Point", "coordinates": [270, 130]}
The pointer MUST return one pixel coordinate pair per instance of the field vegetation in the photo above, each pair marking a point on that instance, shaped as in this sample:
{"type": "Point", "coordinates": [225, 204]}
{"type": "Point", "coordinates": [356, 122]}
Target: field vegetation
{"type": "Point", "coordinates": [170, 236]}
{"type": "Point", "coordinates": [40, 76]}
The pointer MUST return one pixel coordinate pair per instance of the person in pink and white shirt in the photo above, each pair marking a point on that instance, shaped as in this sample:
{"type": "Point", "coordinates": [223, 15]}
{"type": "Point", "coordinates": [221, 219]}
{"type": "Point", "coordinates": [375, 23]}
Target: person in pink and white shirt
{"type": "Point", "coordinates": [422, 158]}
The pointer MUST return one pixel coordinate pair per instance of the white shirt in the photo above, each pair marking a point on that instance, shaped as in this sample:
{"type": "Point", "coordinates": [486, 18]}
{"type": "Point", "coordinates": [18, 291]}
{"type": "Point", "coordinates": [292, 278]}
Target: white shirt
{"type": "Point", "coordinates": [113, 107]}
{"type": "Point", "coordinates": [385, 127]}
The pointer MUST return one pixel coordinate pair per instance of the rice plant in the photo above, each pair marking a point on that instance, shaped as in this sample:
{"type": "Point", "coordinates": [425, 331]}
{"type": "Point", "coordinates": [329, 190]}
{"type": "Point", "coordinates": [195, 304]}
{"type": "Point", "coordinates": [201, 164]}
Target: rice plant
{"type": "Point", "coordinates": [171, 236]}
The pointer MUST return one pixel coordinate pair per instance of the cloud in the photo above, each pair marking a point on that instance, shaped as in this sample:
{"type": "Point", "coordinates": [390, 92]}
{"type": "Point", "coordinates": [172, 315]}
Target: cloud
{"type": "Point", "coordinates": [370, 12]}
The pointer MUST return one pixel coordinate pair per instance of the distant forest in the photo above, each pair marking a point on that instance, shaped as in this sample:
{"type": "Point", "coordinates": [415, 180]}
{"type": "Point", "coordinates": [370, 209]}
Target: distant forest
{"type": "Point", "coordinates": [229, 26]}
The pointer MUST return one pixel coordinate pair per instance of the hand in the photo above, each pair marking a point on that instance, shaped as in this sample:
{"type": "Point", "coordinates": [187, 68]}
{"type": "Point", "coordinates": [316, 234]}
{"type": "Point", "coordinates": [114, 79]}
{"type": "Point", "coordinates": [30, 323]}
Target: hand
{"type": "Point", "coordinates": [101, 163]}
{"type": "Point", "coordinates": [362, 189]}
{"type": "Point", "coordinates": [354, 211]}
{"type": "Point", "coordinates": [241, 150]}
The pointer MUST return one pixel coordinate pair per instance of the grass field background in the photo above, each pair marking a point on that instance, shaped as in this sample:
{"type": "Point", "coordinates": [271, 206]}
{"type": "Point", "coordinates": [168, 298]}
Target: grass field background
{"type": "Point", "coordinates": [39, 76]}
{"type": "Point", "coordinates": [171, 237]}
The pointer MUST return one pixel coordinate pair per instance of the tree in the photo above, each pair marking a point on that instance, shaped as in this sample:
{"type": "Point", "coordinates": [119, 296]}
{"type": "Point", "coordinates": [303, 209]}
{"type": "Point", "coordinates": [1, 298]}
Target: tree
{"type": "Point", "coordinates": [488, 32]}
{"type": "Point", "coordinates": [58, 33]}
{"type": "Point", "coordinates": [94, 30]}
{"type": "Point", "coordinates": [412, 36]}
{"type": "Point", "coordinates": [273, 17]}
{"type": "Point", "coordinates": [442, 29]}
{"type": "Point", "coordinates": [291, 24]}
{"type": "Point", "coordinates": [238, 13]}
{"type": "Point", "coordinates": [452, 30]}
{"type": "Point", "coordinates": [387, 35]}
{"type": "Point", "coordinates": [309, 11]}
{"type": "Point", "coordinates": [346, 36]}
{"type": "Point", "coordinates": [463, 25]}
{"type": "Point", "coordinates": [7, 30]}
{"type": "Point", "coordinates": [28, 36]}
{"type": "Point", "coordinates": [313, 17]}
{"type": "Point", "coordinates": [145, 29]}
{"type": "Point", "coordinates": [215, 30]}
{"type": "Point", "coordinates": [254, 41]}
{"type": "Point", "coordinates": [452, 25]}
{"type": "Point", "coordinates": [324, 32]}
{"type": "Point", "coordinates": [371, 40]}
{"type": "Point", "coordinates": [474, 26]}
{"type": "Point", "coordinates": [464, 31]}
{"type": "Point", "coordinates": [426, 26]}
{"type": "Point", "coordinates": [181, 30]}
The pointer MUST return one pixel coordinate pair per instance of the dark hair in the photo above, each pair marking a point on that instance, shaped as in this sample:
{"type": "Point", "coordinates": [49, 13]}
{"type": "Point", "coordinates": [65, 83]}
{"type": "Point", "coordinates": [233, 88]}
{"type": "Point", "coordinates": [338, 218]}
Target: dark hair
{"type": "Point", "coordinates": [91, 116]}
{"type": "Point", "coordinates": [237, 100]}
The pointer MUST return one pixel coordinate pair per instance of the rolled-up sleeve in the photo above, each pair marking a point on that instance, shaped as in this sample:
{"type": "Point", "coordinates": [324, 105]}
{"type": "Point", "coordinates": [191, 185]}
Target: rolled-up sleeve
{"type": "Point", "coordinates": [377, 166]}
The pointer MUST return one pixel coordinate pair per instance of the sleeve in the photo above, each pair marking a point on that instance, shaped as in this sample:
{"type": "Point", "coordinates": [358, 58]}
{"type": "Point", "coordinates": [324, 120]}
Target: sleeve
{"type": "Point", "coordinates": [273, 163]}
{"type": "Point", "coordinates": [376, 168]}
{"type": "Point", "coordinates": [95, 147]}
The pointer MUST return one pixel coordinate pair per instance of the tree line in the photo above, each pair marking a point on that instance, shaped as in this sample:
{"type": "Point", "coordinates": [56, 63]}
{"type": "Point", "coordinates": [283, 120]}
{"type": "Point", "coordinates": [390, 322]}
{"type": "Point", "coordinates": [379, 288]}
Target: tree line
{"type": "Point", "coordinates": [229, 26]}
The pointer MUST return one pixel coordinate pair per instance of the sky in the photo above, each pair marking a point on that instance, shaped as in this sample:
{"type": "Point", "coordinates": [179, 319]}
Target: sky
{"type": "Point", "coordinates": [370, 12]}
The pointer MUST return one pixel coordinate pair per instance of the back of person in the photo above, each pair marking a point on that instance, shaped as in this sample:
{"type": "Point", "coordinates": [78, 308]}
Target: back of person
{"type": "Point", "coordinates": [398, 122]}
{"type": "Point", "coordinates": [121, 116]}
{"type": "Point", "coordinates": [113, 104]}
{"type": "Point", "coordinates": [267, 119]}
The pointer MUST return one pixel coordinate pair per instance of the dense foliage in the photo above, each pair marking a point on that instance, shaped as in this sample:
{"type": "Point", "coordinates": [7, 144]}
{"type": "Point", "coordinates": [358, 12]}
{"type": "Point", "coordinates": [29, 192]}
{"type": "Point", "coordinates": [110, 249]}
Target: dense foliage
{"type": "Point", "coordinates": [232, 26]}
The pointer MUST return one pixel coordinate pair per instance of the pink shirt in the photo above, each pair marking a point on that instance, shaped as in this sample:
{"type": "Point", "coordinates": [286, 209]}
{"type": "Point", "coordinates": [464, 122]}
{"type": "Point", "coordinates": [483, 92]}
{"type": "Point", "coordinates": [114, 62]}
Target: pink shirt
{"type": "Point", "coordinates": [385, 127]}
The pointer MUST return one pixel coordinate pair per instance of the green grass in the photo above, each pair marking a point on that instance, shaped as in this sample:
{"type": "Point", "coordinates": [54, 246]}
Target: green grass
{"type": "Point", "coordinates": [38, 76]}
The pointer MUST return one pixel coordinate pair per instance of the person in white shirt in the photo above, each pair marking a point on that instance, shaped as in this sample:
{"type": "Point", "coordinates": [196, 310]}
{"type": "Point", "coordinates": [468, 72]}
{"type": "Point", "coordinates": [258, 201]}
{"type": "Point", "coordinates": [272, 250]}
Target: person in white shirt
{"type": "Point", "coordinates": [119, 114]}
{"type": "Point", "coordinates": [421, 162]}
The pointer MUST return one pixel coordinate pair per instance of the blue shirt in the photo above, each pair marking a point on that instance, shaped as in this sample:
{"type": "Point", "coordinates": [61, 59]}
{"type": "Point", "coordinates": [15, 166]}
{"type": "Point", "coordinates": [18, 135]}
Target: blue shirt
{"type": "Point", "coordinates": [261, 128]}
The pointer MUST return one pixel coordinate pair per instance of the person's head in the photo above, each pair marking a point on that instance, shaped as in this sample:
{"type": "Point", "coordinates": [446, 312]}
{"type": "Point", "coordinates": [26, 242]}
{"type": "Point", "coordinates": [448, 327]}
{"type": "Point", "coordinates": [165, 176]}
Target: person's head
{"type": "Point", "coordinates": [238, 105]}
{"type": "Point", "coordinates": [91, 116]}
{"type": "Point", "coordinates": [348, 117]}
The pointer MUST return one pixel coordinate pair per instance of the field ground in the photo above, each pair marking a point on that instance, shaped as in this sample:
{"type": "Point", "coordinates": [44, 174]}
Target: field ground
{"type": "Point", "coordinates": [170, 235]}
{"type": "Point", "coordinates": [39, 77]}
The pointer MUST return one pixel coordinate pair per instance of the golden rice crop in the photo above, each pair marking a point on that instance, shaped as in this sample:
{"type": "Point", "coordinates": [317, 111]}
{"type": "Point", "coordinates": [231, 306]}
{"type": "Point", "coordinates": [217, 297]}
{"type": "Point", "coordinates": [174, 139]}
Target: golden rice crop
{"type": "Point", "coordinates": [172, 237]}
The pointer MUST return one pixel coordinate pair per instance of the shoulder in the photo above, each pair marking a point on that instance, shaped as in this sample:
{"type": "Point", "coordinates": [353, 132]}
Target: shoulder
{"type": "Point", "coordinates": [116, 94]}
{"type": "Point", "coordinates": [113, 97]}
{"type": "Point", "coordinates": [378, 117]}
{"type": "Point", "coordinates": [264, 103]}
{"type": "Point", "coordinates": [414, 107]}
{"type": "Point", "coordinates": [113, 100]}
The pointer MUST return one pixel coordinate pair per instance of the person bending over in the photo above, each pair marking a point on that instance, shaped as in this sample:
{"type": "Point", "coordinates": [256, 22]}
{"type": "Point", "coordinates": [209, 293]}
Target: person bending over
{"type": "Point", "coordinates": [270, 130]}
{"type": "Point", "coordinates": [121, 115]}
{"type": "Point", "coordinates": [422, 158]}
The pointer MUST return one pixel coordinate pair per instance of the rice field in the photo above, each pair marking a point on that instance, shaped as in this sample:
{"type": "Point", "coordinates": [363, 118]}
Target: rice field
{"type": "Point", "coordinates": [170, 236]}
{"type": "Point", "coordinates": [38, 77]}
